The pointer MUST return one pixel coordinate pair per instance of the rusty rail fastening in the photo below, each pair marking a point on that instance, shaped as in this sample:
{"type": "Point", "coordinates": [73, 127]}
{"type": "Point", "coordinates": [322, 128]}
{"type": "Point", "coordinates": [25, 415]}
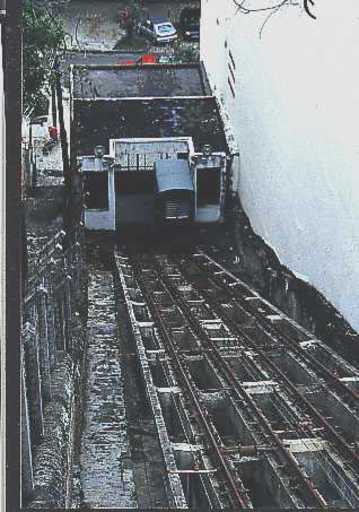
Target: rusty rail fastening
{"type": "Point", "coordinates": [237, 499]}
{"type": "Point", "coordinates": [316, 498]}
{"type": "Point", "coordinates": [333, 434]}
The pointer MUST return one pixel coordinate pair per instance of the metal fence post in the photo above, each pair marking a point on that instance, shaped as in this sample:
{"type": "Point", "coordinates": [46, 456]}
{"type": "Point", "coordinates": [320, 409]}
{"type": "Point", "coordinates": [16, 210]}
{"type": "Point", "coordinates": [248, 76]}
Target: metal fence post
{"type": "Point", "coordinates": [26, 447]}
{"type": "Point", "coordinates": [44, 349]}
{"type": "Point", "coordinates": [34, 383]}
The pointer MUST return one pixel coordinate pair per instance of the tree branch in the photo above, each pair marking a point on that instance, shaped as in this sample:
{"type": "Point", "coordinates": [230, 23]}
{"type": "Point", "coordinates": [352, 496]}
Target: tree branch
{"type": "Point", "coordinates": [267, 19]}
{"type": "Point", "coordinates": [247, 10]}
{"type": "Point", "coordinates": [273, 8]}
{"type": "Point", "coordinates": [307, 10]}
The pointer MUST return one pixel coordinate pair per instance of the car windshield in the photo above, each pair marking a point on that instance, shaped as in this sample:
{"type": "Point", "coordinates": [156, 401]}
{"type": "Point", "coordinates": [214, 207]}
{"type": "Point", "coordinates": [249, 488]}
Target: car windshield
{"type": "Point", "coordinates": [165, 28]}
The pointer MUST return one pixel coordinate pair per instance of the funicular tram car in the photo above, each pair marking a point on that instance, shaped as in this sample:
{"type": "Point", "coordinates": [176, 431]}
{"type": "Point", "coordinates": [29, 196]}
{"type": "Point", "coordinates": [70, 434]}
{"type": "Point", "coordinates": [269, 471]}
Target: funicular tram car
{"type": "Point", "coordinates": [152, 181]}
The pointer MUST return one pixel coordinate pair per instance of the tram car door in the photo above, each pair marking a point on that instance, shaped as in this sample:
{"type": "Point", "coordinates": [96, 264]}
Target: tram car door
{"type": "Point", "coordinates": [174, 191]}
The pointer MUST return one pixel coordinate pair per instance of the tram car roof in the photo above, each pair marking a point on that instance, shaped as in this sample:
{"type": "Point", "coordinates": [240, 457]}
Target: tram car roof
{"type": "Point", "coordinates": [173, 175]}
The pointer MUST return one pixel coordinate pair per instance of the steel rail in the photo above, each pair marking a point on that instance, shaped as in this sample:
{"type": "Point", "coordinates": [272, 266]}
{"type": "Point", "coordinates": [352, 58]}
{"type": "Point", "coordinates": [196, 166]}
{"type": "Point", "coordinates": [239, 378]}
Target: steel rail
{"type": "Point", "coordinates": [333, 434]}
{"type": "Point", "coordinates": [239, 390]}
{"type": "Point", "coordinates": [340, 387]}
{"type": "Point", "coordinates": [236, 498]}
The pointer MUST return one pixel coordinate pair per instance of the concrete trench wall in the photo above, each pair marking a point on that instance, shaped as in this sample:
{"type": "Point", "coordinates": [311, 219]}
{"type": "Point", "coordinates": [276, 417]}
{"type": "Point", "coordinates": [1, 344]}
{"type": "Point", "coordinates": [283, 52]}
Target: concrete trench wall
{"type": "Point", "coordinates": [330, 478]}
{"type": "Point", "coordinates": [52, 347]}
{"type": "Point", "coordinates": [144, 443]}
{"type": "Point", "coordinates": [258, 264]}
{"type": "Point", "coordinates": [172, 482]}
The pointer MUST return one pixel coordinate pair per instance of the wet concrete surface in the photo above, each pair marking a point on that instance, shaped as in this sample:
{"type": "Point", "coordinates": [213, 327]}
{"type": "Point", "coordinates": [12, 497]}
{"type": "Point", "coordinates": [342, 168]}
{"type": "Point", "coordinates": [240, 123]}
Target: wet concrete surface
{"type": "Point", "coordinates": [93, 25]}
{"type": "Point", "coordinates": [94, 58]}
{"type": "Point", "coordinates": [49, 165]}
{"type": "Point", "coordinates": [106, 475]}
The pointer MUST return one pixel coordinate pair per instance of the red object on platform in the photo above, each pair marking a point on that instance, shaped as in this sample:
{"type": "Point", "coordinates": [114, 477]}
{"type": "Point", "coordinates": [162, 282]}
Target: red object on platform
{"type": "Point", "coordinates": [53, 132]}
{"type": "Point", "coordinates": [148, 59]}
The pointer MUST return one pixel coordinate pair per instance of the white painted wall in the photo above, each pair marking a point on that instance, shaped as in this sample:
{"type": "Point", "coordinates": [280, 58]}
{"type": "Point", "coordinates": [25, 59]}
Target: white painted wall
{"type": "Point", "coordinates": [104, 219]}
{"type": "Point", "coordinates": [296, 120]}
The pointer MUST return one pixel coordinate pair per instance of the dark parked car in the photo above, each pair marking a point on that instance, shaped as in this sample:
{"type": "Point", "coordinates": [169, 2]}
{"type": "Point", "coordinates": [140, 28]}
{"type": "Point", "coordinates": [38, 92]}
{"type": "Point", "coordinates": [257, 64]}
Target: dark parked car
{"type": "Point", "coordinates": [189, 23]}
{"type": "Point", "coordinates": [159, 29]}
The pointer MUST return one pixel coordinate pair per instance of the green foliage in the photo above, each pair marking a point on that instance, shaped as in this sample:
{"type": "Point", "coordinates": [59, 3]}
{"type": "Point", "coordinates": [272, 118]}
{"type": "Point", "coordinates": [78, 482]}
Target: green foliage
{"type": "Point", "coordinates": [43, 37]}
{"type": "Point", "coordinates": [185, 53]}
{"type": "Point", "coordinates": [136, 9]}
{"type": "Point", "coordinates": [130, 16]}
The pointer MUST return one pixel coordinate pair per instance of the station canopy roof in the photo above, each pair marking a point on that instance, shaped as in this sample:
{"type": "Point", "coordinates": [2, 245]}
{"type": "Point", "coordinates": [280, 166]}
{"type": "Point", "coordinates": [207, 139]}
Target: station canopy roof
{"type": "Point", "coordinates": [135, 81]}
{"type": "Point", "coordinates": [96, 122]}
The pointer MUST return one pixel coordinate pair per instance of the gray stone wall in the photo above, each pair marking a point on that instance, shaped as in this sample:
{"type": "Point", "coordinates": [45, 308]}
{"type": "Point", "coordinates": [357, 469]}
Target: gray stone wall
{"type": "Point", "coordinates": [53, 342]}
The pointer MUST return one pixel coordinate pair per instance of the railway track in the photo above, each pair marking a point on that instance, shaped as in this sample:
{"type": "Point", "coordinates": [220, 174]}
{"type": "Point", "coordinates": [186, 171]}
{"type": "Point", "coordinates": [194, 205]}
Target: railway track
{"type": "Point", "coordinates": [332, 382]}
{"type": "Point", "coordinates": [238, 291]}
{"type": "Point", "coordinates": [189, 299]}
{"type": "Point", "coordinates": [237, 491]}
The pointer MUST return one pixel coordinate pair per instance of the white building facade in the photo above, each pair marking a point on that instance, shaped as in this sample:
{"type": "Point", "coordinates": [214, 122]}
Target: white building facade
{"type": "Point", "coordinates": [290, 86]}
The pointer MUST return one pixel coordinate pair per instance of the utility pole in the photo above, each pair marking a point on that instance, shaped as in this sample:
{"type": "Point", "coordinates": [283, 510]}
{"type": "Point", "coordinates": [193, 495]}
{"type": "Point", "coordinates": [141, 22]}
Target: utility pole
{"type": "Point", "coordinates": [68, 215]}
{"type": "Point", "coordinates": [63, 135]}
{"type": "Point", "coordinates": [53, 105]}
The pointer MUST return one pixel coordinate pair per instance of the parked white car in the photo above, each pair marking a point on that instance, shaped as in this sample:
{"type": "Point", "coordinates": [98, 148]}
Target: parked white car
{"type": "Point", "coordinates": [159, 29]}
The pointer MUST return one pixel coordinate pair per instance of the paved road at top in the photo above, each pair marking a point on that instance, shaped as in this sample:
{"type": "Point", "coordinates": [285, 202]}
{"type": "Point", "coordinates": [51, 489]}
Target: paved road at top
{"type": "Point", "coordinates": [94, 25]}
